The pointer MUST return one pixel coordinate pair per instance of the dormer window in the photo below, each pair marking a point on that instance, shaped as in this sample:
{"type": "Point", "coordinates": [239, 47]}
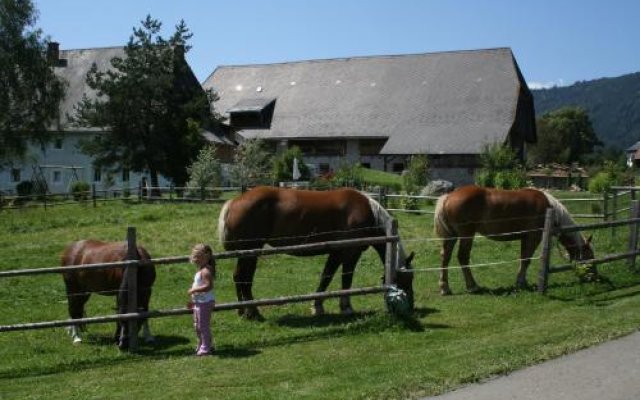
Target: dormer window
{"type": "Point", "coordinates": [255, 113]}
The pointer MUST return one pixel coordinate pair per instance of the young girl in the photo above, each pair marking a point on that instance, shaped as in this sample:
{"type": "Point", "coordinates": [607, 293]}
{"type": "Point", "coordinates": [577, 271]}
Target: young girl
{"type": "Point", "coordinates": [202, 296]}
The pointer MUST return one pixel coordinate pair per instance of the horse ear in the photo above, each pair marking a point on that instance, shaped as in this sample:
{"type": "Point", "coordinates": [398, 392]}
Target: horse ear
{"type": "Point", "coordinates": [410, 258]}
{"type": "Point", "coordinates": [589, 238]}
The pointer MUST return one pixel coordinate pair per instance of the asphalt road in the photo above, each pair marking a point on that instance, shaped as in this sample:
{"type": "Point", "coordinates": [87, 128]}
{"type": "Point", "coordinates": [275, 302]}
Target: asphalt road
{"type": "Point", "coordinates": [609, 371]}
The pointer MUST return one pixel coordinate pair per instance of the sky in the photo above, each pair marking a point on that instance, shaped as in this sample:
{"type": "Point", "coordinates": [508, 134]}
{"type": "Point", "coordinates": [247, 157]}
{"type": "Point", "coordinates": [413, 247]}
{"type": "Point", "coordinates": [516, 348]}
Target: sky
{"type": "Point", "coordinates": [555, 42]}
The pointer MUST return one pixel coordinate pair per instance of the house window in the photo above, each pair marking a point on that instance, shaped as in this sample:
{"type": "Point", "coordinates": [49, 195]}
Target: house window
{"type": "Point", "coordinates": [57, 144]}
{"type": "Point", "coordinates": [15, 175]}
{"type": "Point", "coordinates": [125, 175]}
{"type": "Point", "coordinates": [398, 167]}
{"type": "Point", "coordinates": [366, 165]}
{"type": "Point", "coordinates": [56, 177]}
{"type": "Point", "coordinates": [97, 175]}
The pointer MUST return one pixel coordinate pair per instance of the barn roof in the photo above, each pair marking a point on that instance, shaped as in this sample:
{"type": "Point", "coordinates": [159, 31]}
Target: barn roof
{"type": "Point", "coordinates": [435, 103]}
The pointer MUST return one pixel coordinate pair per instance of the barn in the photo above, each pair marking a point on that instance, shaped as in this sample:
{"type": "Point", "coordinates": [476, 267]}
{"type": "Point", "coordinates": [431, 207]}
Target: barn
{"type": "Point", "coordinates": [380, 110]}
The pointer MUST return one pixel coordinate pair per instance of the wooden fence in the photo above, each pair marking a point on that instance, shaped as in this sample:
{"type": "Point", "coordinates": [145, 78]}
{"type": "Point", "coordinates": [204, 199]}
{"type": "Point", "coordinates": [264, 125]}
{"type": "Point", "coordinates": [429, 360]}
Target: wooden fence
{"type": "Point", "coordinates": [132, 316]}
{"type": "Point", "coordinates": [632, 248]}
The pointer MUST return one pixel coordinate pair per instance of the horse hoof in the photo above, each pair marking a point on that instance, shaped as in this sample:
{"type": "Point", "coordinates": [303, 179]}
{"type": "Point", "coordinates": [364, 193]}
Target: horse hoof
{"type": "Point", "coordinates": [317, 311]}
{"type": "Point", "coordinates": [347, 311]}
{"type": "Point", "coordinates": [445, 292]}
{"type": "Point", "coordinates": [150, 340]}
{"type": "Point", "coordinates": [77, 340]}
{"type": "Point", "coordinates": [474, 289]}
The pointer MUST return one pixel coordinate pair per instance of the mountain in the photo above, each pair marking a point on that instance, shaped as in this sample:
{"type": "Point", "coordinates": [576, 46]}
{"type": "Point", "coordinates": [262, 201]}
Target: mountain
{"type": "Point", "coordinates": [613, 105]}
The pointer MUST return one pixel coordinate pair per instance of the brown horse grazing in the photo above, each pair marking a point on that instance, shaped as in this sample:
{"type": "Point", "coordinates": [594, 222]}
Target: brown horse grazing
{"type": "Point", "coordinates": [283, 217]}
{"type": "Point", "coordinates": [108, 281]}
{"type": "Point", "coordinates": [501, 215]}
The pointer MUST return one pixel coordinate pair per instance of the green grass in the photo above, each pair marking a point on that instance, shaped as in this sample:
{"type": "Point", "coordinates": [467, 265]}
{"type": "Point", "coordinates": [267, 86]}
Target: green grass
{"type": "Point", "coordinates": [382, 178]}
{"type": "Point", "coordinates": [451, 341]}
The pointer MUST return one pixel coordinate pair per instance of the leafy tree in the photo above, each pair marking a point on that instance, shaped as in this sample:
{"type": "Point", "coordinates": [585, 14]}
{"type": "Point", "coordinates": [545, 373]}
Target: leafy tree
{"type": "Point", "coordinates": [251, 163]}
{"type": "Point", "coordinates": [501, 168]}
{"type": "Point", "coordinates": [564, 136]}
{"type": "Point", "coordinates": [283, 165]}
{"type": "Point", "coordinates": [150, 103]}
{"type": "Point", "coordinates": [417, 174]}
{"type": "Point", "coordinates": [206, 170]}
{"type": "Point", "coordinates": [30, 92]}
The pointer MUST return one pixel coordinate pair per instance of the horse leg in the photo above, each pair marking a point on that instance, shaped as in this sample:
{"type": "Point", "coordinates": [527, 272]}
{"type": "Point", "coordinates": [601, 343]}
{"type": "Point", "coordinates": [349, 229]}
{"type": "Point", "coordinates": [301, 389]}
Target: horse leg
{"type": "Point", "coordinates": [445, 257]}
{"type": "Point", "coordinates": [76, 302]}
{"type": "Point", "coordinates": [528, 246]}
{"type": "Point", "coordinates": [348, 266]}
{"type": "Point", "coordinates": [243, 278]}
{"type": "Point", "coordinates": [464, 255]}
{"type": "Point", "coordinates": [145, 296]}
{"type": "Point", "coordinates": [330, 267]}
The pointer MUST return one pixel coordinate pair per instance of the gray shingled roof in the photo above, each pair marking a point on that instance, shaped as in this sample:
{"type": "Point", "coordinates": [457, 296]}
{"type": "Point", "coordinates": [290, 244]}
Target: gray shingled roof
{"type": "Point", "coordinates": [74, 73]}
{"type": "Point", "coordinates": [436, 103]}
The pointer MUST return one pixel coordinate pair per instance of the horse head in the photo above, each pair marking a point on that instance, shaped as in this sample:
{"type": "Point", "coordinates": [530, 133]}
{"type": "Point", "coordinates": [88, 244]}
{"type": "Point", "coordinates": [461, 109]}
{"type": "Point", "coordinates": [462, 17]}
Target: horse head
{"type": "Point", "coordinates": [578, 248]}
{"type": "Point", "coordinates": [404, 277]}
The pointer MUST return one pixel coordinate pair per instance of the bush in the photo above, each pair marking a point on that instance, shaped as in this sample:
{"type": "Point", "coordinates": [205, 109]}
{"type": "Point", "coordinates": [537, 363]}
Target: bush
{"type": "Point", "coordinates": [25, 189]}
{"type": "Point", "coordinates": [600, 183]}
{"type": "Point", "coordinates": [80, 190]}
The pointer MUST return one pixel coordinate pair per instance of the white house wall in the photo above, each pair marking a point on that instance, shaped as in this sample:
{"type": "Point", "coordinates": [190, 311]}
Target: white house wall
{"type": "Point", "coordinates": [63, 166]}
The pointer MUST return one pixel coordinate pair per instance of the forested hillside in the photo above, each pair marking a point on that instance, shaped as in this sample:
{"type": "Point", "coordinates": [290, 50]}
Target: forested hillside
{"type": "Point", "coordinates": [613, 105]}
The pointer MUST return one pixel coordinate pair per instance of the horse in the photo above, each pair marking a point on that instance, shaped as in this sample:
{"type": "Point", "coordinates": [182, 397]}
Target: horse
{"type": "Point", "coordinates": [502, 215]}
{"type": "Point", "coordinates": [105, 281]}
{"type": "Point", "coordinates": [285, 217]}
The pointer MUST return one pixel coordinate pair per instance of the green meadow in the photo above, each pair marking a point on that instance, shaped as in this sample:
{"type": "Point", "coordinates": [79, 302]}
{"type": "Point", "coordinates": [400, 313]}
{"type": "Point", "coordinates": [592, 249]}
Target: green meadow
{"type": "Point", "coordinates": [448, 342]}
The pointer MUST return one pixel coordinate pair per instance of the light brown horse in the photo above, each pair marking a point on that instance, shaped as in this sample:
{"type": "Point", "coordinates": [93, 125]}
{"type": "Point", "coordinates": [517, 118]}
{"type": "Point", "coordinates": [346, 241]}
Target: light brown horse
{"type": "Point", "coordinates": [502, 215]}
{"type": "Point", "coordinates": [283, 217]}
{"type": "Point", "coordinates": [105, 281]}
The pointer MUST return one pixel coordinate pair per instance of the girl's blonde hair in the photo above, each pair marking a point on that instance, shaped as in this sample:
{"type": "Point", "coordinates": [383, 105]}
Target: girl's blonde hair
{"type": "Point", "coordinates": [202, 248]}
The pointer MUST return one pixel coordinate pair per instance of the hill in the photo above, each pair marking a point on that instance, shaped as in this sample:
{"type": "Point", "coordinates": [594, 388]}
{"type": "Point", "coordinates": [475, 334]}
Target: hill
{"type": "Point", "coordinates": [613, 105]}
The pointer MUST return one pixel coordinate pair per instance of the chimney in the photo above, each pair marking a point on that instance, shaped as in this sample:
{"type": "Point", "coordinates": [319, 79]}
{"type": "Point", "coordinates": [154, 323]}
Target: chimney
{"type": "Point", "coordinates": [53, 52]}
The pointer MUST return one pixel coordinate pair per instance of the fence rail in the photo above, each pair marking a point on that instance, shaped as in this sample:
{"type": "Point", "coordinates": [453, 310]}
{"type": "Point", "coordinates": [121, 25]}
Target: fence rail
{"type": "Point", "coordinates": [132, 316]}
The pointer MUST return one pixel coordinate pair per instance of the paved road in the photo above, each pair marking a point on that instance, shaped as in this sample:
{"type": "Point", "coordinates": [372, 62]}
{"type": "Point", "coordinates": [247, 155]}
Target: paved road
{"type": "Point", "coordinates": [610, 371]}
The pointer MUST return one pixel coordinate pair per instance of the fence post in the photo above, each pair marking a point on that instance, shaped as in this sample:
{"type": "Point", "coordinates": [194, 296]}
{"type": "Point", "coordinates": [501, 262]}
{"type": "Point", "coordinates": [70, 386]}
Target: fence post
{"type": "Point", "coordinates": [545, 255]}
{"type": "Point", "coordinates": [633, 234]}
{"type": "Point", "coordinates": [93, 194]}
{"type": "Point", "coordinates": [391, 257]}
{"type": "Point", "coordinates": [614, 210]}
{"type": "Point", "coordinates": [132, 287]}
{"type": "Point", "coordinates": [605, 205]}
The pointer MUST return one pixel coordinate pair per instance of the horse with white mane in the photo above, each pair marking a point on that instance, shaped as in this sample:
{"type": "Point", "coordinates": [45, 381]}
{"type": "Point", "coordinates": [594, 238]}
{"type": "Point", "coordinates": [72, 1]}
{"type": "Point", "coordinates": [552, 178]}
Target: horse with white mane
{"type": "Point", "coordinates": [501, 215]}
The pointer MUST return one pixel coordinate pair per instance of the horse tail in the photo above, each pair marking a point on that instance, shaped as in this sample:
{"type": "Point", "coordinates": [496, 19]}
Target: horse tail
{"type": "Point", "coordinates": [441, 226]}
{"type": "Point", "coordinates": [222, 222]}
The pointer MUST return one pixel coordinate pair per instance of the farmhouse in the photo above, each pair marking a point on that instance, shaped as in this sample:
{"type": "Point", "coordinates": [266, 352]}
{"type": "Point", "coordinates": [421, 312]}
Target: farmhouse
{"type": "Point", "coordinates": [60, 163]}
{"type": "Point", "coordinates": [380, 110]}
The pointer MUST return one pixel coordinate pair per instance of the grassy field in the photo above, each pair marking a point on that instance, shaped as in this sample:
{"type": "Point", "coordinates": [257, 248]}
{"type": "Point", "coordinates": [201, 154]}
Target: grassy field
{"type": "Point", "coordinates": [450, 341]}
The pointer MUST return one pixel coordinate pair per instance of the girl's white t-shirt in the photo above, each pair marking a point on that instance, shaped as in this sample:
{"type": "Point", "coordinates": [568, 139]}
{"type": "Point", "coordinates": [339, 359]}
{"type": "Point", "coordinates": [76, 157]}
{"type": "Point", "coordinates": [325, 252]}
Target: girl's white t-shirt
{"type": "Point", "coordinates": [201, 297]}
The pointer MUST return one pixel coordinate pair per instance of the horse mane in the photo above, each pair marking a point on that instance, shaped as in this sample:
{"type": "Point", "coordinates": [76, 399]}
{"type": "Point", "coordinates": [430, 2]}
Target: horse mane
{"type": "Point", "coordinates": [382, 216]}
{"type": "Point", "coordinates": [440, 225]}
{"type": "Point", "coordinates": [222, 221]}
{"type": "Point", "coordinates": [561, 217]}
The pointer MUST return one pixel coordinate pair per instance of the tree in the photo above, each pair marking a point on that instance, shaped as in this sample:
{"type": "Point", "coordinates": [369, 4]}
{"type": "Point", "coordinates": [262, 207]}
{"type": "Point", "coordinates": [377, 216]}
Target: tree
{"type": "Point", "coordinates": [283, 165]}
{"type": "Point", "coordinates": [151, 105]}
{"type": "Point", "coordinates": [564, 136]}
{"type": "Point", "coordinates": [501, 168]}
{"type": "Point", "coordinates": [206, 170]}
{"type": "Point", "coordinates": [30, 92]}
{"type": "Point", "coordinates": [417, 173]}
{"type": "Point", "coordinates": [251, 163]}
